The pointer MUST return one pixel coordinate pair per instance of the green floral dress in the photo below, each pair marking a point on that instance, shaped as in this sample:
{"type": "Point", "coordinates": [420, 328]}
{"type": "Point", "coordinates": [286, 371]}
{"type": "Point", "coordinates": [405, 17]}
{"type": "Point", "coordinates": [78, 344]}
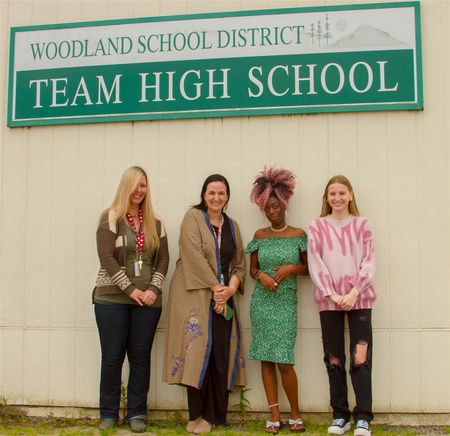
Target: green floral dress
{"type": "Point", "coordinates": [274, 314]}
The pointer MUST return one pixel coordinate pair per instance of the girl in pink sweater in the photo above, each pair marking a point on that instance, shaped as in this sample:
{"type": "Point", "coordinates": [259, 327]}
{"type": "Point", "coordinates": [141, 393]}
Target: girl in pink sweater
{"type": "Point", "coordinates": [342, 265]}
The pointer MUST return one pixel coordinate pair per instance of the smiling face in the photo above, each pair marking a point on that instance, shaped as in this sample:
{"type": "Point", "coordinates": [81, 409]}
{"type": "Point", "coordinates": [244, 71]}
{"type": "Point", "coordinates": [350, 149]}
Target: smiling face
{"type": "Point", "coordinates": [339, 197]}
{"type": "Point", "coordinates": [275, 212]}
{"type": "Point", "coordinates": [138, 195]}
{"type": "Point", "coordinates": [215, 196]}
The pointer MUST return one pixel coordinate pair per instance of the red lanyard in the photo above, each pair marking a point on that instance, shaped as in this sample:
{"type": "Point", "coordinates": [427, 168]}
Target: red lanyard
{"type": "Point", "coordinates": [138, 234]}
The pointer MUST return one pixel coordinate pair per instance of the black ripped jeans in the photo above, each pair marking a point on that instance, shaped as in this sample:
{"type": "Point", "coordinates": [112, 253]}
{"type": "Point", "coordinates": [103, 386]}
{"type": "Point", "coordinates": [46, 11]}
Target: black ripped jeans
{"type": "Point", "coordinates": [360, 327]}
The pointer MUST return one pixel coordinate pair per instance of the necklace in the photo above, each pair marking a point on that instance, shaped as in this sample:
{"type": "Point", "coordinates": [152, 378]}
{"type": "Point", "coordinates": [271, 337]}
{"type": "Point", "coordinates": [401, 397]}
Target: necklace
{"type": "Point", "coordinates": [279, 230]}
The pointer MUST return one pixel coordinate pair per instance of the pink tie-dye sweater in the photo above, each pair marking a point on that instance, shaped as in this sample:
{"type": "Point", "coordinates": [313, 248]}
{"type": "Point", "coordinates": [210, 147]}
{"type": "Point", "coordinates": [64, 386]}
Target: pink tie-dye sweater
{"type": "Point", "coordinates": [340, 257]}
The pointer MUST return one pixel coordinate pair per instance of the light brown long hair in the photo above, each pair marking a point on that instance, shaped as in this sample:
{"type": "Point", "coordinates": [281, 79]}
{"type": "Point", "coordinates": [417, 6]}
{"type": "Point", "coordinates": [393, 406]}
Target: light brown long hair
{"type": "Point", "coordinates": [121, 203]}
{"type": "Point", "coordinates": [352, 207]}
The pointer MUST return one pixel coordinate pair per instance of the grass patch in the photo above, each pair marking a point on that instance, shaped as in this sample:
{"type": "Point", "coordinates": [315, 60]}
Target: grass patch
{"type": "Point", "coordinates": [29, 426]}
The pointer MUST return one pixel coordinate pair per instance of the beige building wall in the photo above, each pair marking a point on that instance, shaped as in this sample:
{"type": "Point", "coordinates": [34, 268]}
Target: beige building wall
{"type": "Point", "coordinates": [55, 181]}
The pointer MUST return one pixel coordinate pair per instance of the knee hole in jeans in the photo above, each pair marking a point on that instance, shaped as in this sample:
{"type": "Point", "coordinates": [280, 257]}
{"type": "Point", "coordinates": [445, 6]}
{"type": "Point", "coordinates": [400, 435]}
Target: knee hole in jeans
{"type": "Point", "coordinates": [360, 353]}
{"type": "Point", "coordinates": [333, 362]}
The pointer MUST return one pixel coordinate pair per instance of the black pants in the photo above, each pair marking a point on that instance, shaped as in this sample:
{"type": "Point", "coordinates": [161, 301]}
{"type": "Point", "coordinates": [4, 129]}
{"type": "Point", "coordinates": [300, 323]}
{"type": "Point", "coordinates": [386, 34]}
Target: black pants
{"type": "Point", "coordinates": [360, 327]}
{"type": "Point", "coordinates": [125, 329]}
{"type": "Point", "coordinates": [211, 400]}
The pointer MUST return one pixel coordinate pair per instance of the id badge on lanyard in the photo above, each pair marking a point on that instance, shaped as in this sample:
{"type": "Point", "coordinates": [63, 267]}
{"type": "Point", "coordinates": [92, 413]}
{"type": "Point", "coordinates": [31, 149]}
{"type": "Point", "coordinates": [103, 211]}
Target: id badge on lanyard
{"type": "Point", "coordinates": [138, 267]}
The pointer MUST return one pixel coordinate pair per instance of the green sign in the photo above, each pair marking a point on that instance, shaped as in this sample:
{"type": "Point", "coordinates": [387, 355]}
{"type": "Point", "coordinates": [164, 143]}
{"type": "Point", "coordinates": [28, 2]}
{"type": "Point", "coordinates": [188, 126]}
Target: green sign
{"type": "Point", "coordinates": [303, 60]}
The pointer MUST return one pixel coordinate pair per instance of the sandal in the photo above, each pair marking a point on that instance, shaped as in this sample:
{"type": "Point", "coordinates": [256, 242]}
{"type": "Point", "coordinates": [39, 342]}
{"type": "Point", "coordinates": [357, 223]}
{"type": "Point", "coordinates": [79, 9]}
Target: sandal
{"type": "Point", "coordinates": [296, 425]}
{"type": "Point", "coordinates": [273, 427]}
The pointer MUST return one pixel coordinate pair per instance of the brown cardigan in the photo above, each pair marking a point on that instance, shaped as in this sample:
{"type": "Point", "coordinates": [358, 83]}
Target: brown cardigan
{"type": "Point", "coordinates": [112, 252]}
{"type": "Point", "coordinates": [189, 307]}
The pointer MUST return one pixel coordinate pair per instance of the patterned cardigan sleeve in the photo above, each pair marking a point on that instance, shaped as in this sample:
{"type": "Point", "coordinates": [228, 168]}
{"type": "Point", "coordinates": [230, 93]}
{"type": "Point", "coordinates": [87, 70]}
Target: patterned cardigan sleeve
{"type": "Point", "coordinates": [162, 260]}
{"type": "Point", "coordinates": [106, 249]}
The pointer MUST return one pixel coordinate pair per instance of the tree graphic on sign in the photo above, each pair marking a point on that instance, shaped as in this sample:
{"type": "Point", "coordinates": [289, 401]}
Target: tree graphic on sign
{"type": "Point", "coordinates": [319, 33]}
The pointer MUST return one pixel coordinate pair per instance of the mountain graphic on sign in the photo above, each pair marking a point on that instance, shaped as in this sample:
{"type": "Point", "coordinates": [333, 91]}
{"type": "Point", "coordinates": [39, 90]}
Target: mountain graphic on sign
{"type": "Point", "coordinates": [367, 36]}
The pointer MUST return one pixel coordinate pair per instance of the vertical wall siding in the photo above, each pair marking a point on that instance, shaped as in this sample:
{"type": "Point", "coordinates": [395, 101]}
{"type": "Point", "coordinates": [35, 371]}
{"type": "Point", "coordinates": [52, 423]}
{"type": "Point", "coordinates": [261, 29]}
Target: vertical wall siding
{"type": "Point", "coordinates": [56, 180]}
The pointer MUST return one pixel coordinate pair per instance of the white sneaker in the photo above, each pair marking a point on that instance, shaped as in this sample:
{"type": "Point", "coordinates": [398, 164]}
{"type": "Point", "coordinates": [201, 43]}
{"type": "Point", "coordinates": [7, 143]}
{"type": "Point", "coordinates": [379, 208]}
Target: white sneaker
{"type": "Point", "coordinates": [362, 428]}
{"type": "Point", "coordinates": [339, 426]}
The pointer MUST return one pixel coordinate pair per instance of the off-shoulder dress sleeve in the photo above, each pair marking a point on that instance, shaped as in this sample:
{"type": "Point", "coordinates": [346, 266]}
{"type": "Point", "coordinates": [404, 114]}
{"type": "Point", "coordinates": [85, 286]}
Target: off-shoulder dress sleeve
{"type": "Point", "coordinates": [302, 243]}
{"type": "Point", "coordinates": [252, 246]}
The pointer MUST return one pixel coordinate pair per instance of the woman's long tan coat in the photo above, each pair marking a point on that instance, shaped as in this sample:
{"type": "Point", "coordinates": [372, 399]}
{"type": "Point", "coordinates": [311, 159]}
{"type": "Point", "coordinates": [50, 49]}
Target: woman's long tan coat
{"type": "Point", "coordinates": [189, 310]}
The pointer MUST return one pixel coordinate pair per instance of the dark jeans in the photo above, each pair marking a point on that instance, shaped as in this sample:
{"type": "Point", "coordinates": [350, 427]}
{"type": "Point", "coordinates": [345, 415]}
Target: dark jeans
{"type": "Point", "coordinates": [360, 327]}
{"type": "Point", "coordinates": [211, 400]}
{"type": "Point", "coordinates": [125, 329]}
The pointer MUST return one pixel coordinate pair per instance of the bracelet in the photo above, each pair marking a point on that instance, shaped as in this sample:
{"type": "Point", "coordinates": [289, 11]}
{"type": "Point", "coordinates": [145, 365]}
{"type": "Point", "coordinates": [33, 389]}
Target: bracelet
{"type": "Point", "coordinates": [258, 272]}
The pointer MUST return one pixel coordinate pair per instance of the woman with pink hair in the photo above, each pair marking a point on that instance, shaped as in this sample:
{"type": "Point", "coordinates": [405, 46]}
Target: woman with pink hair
{"type": "Point", "coordinates": [278, 256]}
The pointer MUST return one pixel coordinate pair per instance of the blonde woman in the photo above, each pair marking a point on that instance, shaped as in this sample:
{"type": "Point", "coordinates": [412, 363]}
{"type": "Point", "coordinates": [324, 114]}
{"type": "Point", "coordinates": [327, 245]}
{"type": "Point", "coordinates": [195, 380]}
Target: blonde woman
{"type": "Point", "coordinates": [341, 261]}
{"type": "Point", "coordinates": [134, 257]}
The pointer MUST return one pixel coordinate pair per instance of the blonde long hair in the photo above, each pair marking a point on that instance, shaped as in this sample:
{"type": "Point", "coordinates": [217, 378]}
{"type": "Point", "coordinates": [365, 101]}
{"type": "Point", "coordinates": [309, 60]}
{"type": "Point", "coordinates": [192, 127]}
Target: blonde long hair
{"type": "Point", "coordinates": [121, 203]}
{"type": "Point", "coordinates": [352, 207]}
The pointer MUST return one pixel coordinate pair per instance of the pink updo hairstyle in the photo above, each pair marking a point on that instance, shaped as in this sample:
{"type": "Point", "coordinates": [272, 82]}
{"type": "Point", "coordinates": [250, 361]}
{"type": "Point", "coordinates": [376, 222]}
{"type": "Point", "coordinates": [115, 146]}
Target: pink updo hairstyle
{"type": "Point", "coordinates": [273, 182]}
